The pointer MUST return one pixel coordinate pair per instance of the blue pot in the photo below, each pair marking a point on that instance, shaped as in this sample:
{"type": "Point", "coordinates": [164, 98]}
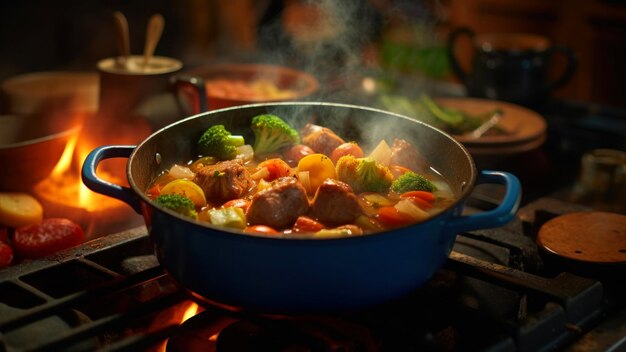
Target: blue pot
{"type": "Point", "coordinates": [295, 275]}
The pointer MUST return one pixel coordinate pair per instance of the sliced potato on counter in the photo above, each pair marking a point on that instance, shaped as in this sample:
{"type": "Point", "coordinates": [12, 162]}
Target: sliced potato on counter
{"type": "Point", "coordinates": [19, 209]}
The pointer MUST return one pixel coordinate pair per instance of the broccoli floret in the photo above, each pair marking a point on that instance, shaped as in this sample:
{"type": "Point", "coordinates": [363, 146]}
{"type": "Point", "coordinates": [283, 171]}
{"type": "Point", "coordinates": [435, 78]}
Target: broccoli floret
{"type": "Point", "coordinates": [363, 174]}
{"type": "Point", "coordinates": [218, 142]}
{"type": "Point", "coordinates": [177, 203]}
{"type": "Point", "coordinates": [271, 134]}
{"type": "Point", "coordinates": [411, 181]}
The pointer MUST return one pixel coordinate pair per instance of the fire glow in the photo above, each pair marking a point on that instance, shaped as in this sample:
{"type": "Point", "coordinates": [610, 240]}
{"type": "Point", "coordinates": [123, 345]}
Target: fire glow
{"type": "Point", "coordinates": [177, 316]}
{"type": "Point", "coordinates": [65, 186]}
{"type": "Point", "coordinates": [64, 194]}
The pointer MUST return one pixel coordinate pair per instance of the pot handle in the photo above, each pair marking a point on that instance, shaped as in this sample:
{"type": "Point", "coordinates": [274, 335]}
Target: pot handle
{"type": "Point", "coordinates": [498, 216]}
{"type": "Point", "coordinates": [98, 185]}
{"type": "Point", "coordinates": [194, 89]}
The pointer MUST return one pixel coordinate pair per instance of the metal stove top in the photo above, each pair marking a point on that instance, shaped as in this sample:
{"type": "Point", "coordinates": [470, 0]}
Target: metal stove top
{"type": "Point", "coordinates": [494, 294]}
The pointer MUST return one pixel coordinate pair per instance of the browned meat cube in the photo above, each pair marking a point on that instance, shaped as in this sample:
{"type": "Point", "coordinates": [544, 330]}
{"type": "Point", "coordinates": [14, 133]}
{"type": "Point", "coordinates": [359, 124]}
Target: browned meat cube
{"type": "Point", "coordinates": [404, 154]}
{"type": "Point", "coordinates": [320, 139]}
{"type": "Point", "coordinates": [224, 181]}
{"type": "Point", "coordinates": [334, 202]}
{"type": "Point", "coordinates": [279, 205]}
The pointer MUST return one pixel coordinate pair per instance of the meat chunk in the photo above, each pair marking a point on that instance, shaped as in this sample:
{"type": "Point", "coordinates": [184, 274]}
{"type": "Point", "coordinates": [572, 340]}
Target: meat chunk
{"type": "Point", "coordinates": [404, 154]}
{"type": "Point", "coordinates": [320, 139]}
{"type": "Point", "coordinates": [279, 205]}
{"type": "Point", "coordinates": [334, 202]}
{"type": "Point", "coordinates": [224, 181]}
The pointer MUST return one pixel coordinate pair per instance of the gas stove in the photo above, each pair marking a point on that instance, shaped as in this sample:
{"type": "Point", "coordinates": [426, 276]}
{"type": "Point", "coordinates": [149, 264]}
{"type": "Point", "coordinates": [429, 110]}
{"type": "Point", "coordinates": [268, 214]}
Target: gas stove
{"type": "Point", "coordinates": [495, 293]}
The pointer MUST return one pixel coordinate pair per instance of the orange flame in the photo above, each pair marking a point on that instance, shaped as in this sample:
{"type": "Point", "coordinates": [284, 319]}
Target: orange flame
{"type": "Point", "coordinates": [190, 312]}
{"type": "Point", "coordinates": [64, 194]}
{"type": "Point", "coordinates": [188, 309]}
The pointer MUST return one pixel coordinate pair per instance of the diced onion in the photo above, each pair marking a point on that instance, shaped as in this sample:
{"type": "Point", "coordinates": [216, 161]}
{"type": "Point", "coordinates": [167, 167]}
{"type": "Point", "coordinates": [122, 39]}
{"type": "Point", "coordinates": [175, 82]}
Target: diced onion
{"type": "Point", "coordinates": [262, 184]}
{"type": "Point", "coordinates": [245, 153]}
{"type": "Point", "coordinates": [443, 190]}
{"type": "Point", "coordinates": [377, 200]}
{"type": "Point", "coordinates": [382, 153]}
{"type": "Point", "coordinates": [303, 176]}
{"type": "Point", "coordinates": [181, 172]}
{"type": "Point", "coordinates": [262, 173]}
{"type": "Point", "coordinates": [405, 206]}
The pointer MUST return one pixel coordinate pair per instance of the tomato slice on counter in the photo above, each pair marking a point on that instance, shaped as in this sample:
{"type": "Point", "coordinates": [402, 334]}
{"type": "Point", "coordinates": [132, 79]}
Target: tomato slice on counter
{"type": "Point", "coordinates": [47, 237]}
{"type": "Point", "coordinates": [4, 234]}
{"type": "Point", "coordinates": [6, 255]}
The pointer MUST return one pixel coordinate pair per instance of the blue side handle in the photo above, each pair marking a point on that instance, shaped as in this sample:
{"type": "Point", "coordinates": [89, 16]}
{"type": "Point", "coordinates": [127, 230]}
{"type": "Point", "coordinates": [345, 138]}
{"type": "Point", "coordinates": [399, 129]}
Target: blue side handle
{"type": "Point", "coordinates": [98, 185]}
{"type": "Point", "coordinates": [498, 216]}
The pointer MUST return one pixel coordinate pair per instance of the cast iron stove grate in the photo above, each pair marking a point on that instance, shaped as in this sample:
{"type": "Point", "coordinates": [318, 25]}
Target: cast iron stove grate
{"type": "Point", "coordinates": [111, 294]}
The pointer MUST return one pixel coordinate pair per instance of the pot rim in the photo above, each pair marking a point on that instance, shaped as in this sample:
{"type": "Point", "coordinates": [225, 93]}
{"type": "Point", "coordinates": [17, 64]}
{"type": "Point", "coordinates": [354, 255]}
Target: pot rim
{"type": "Point", "coordinates": [466, 188]}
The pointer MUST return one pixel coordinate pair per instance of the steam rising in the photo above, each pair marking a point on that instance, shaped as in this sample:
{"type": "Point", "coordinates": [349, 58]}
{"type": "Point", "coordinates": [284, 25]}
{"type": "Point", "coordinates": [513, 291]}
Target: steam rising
{"type": "Point", "coordinates": [327, 38]}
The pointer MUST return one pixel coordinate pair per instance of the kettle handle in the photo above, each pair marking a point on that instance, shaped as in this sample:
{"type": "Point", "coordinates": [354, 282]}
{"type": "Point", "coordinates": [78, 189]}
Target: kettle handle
{"type": "Point", "coordinates": [570, 67]}
{"type": "Point", "coordinates": [194, 89]}
{"type": "Point", "coordinates": [454, 63]}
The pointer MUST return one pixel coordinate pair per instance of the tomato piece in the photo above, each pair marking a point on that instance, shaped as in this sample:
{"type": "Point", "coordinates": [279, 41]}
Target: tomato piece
{"type": "Point", "coordinates": [306, 224]}
{"type": "Point", "coordinates": [4, 234]}
{"type": "Point", "coordinates": [420, 202]}
{"type": "Point", "coordinates": [427, 196]}
{"type": "Point", "coordinates": [154, 191]}
{"type": "Point", "coordinates": [262, 229]}
{"type": "Point", "coordinates": [297, 152]}
{"type": "Point", "coordinates": [390, 216]}
{"type": "Point", "coordinates": [6, 255]}
{"type": "Point", "coordinates": [238, 203]}
{"type": "Point", "coordinates": [47, 237]}
{"type": "Point", "coordinates": [277, 168]}
{"type": "Point", "coordinates": [348, 148]}
{"type": "Point", "coordinates": [397, 170]}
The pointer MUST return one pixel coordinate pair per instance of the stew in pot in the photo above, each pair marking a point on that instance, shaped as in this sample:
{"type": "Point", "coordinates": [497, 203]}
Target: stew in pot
{"type": "Point", "coordinates": [309, 182]}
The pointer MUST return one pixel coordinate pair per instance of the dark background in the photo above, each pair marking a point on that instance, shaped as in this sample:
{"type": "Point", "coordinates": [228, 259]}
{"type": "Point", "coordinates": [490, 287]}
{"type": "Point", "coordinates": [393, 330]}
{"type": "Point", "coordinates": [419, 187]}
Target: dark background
{"type": "Point", "coordinates": [39, 35]}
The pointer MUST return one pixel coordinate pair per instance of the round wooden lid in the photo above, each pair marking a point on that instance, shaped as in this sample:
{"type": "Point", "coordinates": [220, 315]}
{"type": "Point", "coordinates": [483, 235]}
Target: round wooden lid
{"type": "Point", "coordinates": [591, 236]}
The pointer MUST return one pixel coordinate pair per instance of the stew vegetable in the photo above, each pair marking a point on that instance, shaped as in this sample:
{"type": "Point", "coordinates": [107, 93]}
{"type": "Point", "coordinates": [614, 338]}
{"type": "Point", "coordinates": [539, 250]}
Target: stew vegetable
{"type": "Point", "coordinates": [309, 182]}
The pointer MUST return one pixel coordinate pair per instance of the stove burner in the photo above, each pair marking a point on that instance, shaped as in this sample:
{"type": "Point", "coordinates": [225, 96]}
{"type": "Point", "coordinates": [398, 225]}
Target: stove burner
{"type": "Point", "coordinates": [489, 296]}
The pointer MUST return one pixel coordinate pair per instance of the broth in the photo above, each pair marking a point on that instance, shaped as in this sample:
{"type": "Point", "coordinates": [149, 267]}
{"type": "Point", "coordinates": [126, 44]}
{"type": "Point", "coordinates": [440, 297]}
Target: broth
{"type": "Point", "coordinates": [315, 184]}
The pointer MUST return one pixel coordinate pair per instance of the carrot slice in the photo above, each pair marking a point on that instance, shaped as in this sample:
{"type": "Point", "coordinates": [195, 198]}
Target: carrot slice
{"type": "Point", "coordinates": [306, 224]}
{"type": "Point", "coordinates": [427, 196]}
{"type": "Point", "coordinates": [390, 216]}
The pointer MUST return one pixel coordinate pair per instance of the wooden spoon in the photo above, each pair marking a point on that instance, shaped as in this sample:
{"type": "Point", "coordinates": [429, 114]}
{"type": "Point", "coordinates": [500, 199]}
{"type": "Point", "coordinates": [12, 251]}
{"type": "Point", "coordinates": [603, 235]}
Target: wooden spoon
{"type": "Point", "coordinates": [153, 34]}
{"type": "Point", "coordinates": [121, 38]}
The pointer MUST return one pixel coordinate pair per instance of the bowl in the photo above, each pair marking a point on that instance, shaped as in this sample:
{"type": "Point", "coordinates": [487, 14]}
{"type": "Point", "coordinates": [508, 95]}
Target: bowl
{"type": "Point", "coordinates": [30, 149]}
{"type": "Point", "coordinates": [35, 92]}
{"type": "Point", "coordinates": [240, 84]}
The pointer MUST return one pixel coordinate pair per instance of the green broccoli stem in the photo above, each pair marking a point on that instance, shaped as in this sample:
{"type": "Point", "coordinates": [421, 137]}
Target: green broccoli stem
{"type": "Point", "coordinates": [236, 141]}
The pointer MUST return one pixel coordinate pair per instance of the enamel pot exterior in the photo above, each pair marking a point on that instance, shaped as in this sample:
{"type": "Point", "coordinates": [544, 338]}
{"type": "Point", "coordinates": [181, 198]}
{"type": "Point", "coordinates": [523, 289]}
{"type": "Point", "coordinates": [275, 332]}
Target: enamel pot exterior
{"type": "Point", "coordinates": [291, 275]}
